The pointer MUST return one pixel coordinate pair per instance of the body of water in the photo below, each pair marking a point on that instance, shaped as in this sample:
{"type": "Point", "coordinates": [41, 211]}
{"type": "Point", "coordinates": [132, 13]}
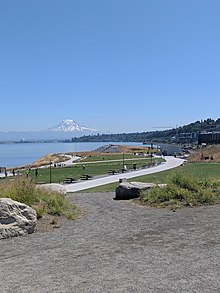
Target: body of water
{"type": "Point", "coordinates": [12, 155]}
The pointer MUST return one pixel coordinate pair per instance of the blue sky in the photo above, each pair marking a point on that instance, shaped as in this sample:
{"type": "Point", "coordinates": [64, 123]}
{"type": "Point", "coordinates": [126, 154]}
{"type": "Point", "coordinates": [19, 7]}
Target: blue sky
{"type": "Point", "coordinates": [114, 65]}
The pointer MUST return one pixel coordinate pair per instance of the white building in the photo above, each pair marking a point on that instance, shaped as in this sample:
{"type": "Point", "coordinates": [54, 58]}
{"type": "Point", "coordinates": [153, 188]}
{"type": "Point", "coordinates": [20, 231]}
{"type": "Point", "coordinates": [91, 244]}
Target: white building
{"type": "Point", "coordinates": [170, 149]}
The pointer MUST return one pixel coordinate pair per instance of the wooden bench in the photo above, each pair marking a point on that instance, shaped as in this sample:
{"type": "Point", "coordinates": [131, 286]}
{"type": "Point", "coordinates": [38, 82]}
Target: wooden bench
{"type": "Point", "coordinates": [85, 177]}
{"type": "Point", "coordinates": [69, 180]}
{"type": "Point", "coordinates": [112, 172]}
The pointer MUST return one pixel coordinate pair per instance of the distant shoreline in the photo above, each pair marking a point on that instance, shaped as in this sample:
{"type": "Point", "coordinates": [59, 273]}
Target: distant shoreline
{"type": "Point", "coordinates": [20, 155]}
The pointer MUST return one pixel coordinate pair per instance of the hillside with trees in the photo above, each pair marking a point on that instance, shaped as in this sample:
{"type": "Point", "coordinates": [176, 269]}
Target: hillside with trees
{"type": "Point", "coordinates": [186, 133]}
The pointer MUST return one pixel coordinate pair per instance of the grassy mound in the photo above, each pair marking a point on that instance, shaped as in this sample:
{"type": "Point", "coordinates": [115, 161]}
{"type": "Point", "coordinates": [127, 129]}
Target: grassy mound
{"type": "Point", "coordinates": [44, 202]}
{"type": "Point", "coordinates": [183, 191]}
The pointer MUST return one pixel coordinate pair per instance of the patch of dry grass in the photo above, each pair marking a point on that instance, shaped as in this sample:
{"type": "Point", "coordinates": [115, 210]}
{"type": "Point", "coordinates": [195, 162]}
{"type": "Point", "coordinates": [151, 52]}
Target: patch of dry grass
{"type": "Point", "coordinates": [45, 202]}
{"type": "Point", "coordinates": [45, 160]}
{"type": "Point", "coordinates": [206, 154]}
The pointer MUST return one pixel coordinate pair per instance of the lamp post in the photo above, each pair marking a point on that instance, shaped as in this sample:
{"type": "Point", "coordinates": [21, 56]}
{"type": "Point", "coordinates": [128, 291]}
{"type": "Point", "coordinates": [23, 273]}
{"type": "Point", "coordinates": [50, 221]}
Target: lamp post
{"type": "Point", "coordinates": [50, 171]}
{"type": "Point", "coordinates": [123, 162]}
{"type": "Point", "coordinates": [151, 154]}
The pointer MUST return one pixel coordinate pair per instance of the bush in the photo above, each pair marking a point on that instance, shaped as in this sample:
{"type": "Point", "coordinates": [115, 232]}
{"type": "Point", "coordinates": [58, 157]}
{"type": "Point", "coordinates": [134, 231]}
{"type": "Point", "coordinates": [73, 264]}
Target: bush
{"type": "Point", "coordinates": [182, 191]}
{"type": "Point", "coordinates": [44, 202]}
{"type": "Point", "coordinates": [40, 210]}
{"type": "Point", "coordinates": [20, 189]}
{"type": "Point", "coordinates": [205, 196]}
{"type": "Point", "coordinates": [56, 203]}
{"type": "Point", "coordinates": [189, 182]}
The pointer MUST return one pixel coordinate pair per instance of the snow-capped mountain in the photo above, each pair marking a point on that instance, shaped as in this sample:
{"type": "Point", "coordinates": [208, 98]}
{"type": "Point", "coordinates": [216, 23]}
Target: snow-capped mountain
{"type": "Point", "coordinates": [70, 126]}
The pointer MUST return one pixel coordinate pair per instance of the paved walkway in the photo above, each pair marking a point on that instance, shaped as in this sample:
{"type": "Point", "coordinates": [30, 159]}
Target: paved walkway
{"type": "Point", "coordinates": [170, 163]}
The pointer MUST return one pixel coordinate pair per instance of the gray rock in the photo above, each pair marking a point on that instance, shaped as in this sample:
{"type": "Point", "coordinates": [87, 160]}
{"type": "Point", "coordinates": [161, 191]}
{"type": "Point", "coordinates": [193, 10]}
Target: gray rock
{"type": "Point", "coordinates": [54, 187]}
{"type": "Point", "coordinates": [16, 219]}
{"type": "Point", "coordinates": [129, 190]}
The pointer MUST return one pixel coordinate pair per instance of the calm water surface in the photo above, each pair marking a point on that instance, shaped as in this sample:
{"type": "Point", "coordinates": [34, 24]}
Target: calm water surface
{"type": "Point", "coordinates": [19, 154]}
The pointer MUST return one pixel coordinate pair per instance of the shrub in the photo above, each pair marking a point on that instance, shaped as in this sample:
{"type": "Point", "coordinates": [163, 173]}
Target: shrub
{"type": "Point", "coordinates": [187, 182]}
{"type": "Point", "coordinates": [205, 196]}
{"type": "Point", "coordinates": [55, 204]}
{"type": "Point", "coordinates": [20, 189]}
{"type": "Point", "coordinates": [182, 191]}
{"type": "Point", "coordinates": [40, 210]}
{"type": "Point", "coordinates": [209, 182]}
{"type": "Point", "coordinates": [24, 190]}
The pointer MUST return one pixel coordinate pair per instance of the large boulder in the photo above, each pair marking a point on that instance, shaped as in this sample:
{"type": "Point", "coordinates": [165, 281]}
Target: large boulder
{"type": "Point", "coordinates": [16, 219]}
{"type": "Point", "coordinates": [129, 190]}
{"type": "Point", "coordinates": [54, 187]}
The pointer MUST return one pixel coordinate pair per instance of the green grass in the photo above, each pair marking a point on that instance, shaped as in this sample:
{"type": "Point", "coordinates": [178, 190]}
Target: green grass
{"type": "Point", "coordinates": [106, 157]}
{"type": "Point", "coordinates": [76, 171]}
{"type": "Point", "coordinates": [200, 171]}
{"type": "Point", "coordinates": [197, 170]}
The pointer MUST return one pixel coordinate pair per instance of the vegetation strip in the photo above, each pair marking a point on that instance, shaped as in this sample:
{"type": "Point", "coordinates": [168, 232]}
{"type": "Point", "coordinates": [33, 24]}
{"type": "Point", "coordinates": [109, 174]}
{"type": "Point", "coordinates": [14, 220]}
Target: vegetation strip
{"type": "Point", "coordinates": [182, 191]}
{"type": "Point", "coordinates": [200, 171]}
{"type": "Point", "coordinates": [45, 202]}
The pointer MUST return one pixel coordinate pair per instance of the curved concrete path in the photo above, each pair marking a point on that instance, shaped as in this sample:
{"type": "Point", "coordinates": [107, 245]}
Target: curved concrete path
{"type": "Point", "coordinates": [170, 163]}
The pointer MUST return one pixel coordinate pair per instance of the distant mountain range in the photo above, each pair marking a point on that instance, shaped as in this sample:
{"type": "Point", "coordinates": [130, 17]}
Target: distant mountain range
{"type": "Point", "coordinates": [66, 129]}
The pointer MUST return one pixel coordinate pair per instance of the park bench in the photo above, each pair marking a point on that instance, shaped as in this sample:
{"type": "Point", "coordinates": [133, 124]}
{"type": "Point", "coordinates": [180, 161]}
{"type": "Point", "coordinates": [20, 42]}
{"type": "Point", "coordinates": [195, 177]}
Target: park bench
{"type": "Point", "coordinates": [85, 177]}
{"type": "Point", "coordinates": [69, 180]}
{"type": "Point", "coordinates": [112, 172]}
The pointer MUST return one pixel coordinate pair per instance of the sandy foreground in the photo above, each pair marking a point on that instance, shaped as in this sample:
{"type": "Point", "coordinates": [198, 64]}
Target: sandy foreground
{"type": "Point", "coordinates": [117, 246]}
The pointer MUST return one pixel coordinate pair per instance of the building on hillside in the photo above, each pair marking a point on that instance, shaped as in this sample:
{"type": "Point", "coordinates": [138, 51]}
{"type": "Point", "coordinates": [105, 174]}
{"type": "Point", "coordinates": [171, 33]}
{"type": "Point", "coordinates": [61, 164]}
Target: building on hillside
{"type": "Point", "coordinates": [170, 149]}
{"type": "Point", "coordinates": [209, 138]}
{"type": "Point", "coordinates": [187, 137]}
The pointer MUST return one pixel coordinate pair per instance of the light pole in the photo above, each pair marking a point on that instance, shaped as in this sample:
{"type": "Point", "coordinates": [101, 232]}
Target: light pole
{"type": "Point", "coordinates": [151, 155]}
{"type": "Point", "coordinates": [123, 162]}
{"type": "Point", "coordinates": [50, 171]}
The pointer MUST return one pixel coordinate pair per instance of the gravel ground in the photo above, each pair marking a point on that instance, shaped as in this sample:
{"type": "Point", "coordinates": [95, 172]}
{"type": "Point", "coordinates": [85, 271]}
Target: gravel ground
{"type": "Point", "coordinates": [117, 246]}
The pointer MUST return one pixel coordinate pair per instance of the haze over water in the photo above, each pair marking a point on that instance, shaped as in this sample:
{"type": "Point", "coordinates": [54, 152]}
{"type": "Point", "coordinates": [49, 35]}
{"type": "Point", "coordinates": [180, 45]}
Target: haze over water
{"type": "Point", "coordinates": [12, 155]}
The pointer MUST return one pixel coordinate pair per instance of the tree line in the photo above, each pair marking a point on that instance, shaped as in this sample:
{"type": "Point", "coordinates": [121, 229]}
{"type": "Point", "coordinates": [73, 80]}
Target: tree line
{"type": "Point", "coordinates": [170, 135]}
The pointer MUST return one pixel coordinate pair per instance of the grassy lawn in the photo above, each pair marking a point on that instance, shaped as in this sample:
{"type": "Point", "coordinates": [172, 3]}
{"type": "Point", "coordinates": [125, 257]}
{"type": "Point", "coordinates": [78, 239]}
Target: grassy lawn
{"type": "Point", "coordinates": [93, 169]}
{"type": "Point", "coordinates": [198, 170]}
{"type": "Point", "coordinates": [105, 157]}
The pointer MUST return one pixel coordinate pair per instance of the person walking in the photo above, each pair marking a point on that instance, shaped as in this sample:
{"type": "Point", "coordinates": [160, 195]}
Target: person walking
{"type": "Point", "coordinates": [36, 173]}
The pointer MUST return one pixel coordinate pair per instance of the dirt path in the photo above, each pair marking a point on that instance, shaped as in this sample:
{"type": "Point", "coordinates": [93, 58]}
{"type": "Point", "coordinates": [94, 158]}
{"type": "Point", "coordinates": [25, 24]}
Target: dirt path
{"type": "Point", "coordinates": [117, 246]}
